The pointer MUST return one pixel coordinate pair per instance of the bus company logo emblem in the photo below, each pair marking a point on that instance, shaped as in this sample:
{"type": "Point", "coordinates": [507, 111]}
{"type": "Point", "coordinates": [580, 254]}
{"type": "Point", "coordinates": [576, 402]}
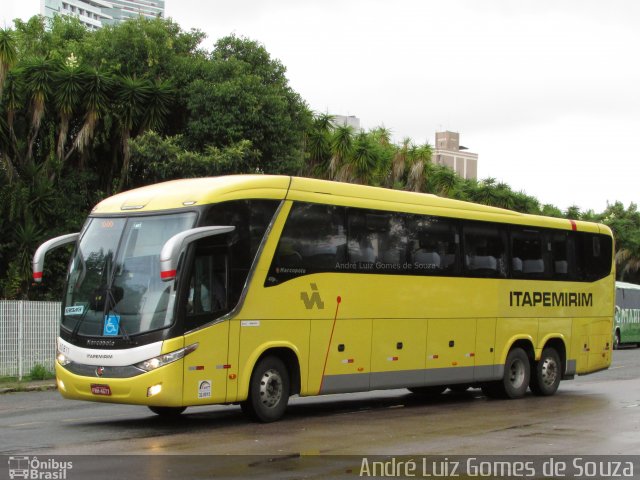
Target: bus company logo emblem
{"type": "Point", "coordinates": [314, 299]}
{"type": "Point", "coordinates": [99, 371]}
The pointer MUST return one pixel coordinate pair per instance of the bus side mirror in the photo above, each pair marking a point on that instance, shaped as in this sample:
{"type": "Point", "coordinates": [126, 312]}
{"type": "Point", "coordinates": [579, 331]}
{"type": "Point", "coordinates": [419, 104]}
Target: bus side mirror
{"type": "Point", "coordinates": [38, 257]}
{"type": "Point", "coordinates": [176, 245]}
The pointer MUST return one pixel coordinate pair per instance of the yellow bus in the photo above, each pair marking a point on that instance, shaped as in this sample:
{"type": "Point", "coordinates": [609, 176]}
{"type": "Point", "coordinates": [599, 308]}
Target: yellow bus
{"type": "Point", "coordinates": [252, 288]}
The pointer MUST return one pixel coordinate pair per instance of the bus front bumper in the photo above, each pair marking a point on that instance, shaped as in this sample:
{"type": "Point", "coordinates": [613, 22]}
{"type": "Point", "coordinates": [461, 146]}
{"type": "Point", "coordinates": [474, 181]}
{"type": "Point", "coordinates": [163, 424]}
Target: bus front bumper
{"type": "Point", "coordinates": [161, 387]}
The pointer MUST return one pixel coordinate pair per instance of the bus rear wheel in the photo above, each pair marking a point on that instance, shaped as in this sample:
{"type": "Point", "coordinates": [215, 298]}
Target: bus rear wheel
{"type": "Point", "coordinates": [268, 391]}
{"type": "Point", "coordinates": [616, 340]}
{"type": "Point", "coordinates": [545, 377]}
{"type": "Point", "coordinates": [168, 412]}
{"type": "Point", "coordinates": [514, 383]}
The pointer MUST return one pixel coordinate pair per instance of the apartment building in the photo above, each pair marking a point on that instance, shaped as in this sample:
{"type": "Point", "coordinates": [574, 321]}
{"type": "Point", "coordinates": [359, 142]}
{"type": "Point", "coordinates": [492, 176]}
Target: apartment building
{"type": "Point", "coordinates": [96, 13]}
{"type": "Point", "coordinates": [447, 151]}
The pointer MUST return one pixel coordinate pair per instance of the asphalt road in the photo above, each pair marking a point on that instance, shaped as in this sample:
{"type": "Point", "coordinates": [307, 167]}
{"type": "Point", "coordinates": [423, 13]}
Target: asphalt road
{"type": "Point", "coordinates": [597, 414]}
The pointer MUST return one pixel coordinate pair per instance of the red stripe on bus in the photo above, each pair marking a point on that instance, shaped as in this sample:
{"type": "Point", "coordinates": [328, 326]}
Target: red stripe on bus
{"type": "Point", "coordinates": [168, 274]}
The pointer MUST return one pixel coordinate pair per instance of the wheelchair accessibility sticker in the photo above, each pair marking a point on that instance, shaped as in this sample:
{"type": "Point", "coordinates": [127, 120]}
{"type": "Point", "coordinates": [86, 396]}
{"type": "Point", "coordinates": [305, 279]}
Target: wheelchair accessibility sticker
{"type": "Point", "coordinates": [111, 325]}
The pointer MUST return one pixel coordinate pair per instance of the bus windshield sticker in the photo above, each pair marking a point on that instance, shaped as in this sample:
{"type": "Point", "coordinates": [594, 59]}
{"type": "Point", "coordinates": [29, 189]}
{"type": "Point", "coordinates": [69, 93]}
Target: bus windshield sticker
{"type": "Point", "coordinates": [75, 310]}
{"type": "Point", "coordinates": [111, 325]}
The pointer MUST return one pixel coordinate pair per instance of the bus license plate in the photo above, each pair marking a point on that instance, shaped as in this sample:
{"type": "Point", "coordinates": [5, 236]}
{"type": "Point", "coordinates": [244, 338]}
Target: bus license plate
{"type": "Point", "coordinates": [99, 389]}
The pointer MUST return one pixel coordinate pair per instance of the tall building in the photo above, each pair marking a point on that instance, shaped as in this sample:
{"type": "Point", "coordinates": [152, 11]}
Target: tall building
{"type": "Point", "coordinates": [347, 121]}
{"type": "Point", "coordinates": [90, 12]}
{"type": "Point", "coordinates": [96, 13]}
{"type": "Point", "coordinates": [450, 153]}
{"type": "Point", "coordinates": [126, 9]}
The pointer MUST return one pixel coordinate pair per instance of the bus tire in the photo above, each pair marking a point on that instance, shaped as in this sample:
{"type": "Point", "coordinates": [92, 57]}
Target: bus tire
{"type": "Point", "coordinates": [616, 340]}
{"type": "Point", "coordinates": [168, 412]}
{"type": "Point", "coordinates": [515, 380]}
{"type": "Point", "coordinates": [268, 391]}
{"type": "Point", "coordinates": [546, 374]}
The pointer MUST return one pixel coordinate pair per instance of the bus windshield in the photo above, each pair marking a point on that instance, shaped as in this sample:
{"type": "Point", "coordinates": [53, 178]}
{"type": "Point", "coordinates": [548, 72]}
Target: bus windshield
{"type": "Point", "coordinates": [114, 287]}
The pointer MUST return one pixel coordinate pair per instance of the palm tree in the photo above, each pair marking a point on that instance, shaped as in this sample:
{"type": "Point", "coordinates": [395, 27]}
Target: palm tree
{"type": "Point", "coordinates": [419, 162]}
{"type": "Point", "coordinates": [160, 96]}
{"type": "Point", "coordinates": [98, 87]}
{"type": "Point", "coordinates": [38, 78]}
{"type": "Point", "coordinates": [133, 95]}
{"type": "Point", "coordinates": [399, 161]}
{"type": "Point", "coordinates": [360, 166]}
{"type": "Point", "coordinates": [628, 261]}
{"type": "Point", "coordinates": [318, 145]}
{"type": "Point", "coordinates": [443, 180]}
{"type": "Point", "coordinates": [341, 148]}
{"type": "Point", "coordinates": [69, 83]}
{"type": "Point", "coordinates": [8, 55]}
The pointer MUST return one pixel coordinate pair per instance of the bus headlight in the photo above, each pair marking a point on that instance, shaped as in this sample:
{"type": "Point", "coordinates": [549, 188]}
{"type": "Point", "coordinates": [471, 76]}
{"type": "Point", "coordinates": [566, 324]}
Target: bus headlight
{"type": "Point", "coordinates": [62, 359]}
{"type": "Point", "coordinates": [167, 358]}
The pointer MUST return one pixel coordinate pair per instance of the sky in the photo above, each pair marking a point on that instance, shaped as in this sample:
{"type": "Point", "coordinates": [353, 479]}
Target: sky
{"type": "Point", "coordinates": [546, 92]}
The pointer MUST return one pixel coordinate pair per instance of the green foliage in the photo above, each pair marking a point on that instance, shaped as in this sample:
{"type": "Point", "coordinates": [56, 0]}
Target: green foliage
{"type": "Point", "coordinates": [40, 372]}
{"type": "Point", "coordinates": [83, 113]}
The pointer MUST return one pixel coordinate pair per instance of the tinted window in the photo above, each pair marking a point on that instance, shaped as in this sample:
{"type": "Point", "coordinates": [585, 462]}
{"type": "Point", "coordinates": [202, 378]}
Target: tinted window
{"type": "Point", "coordinates": [485, 250]}
{"type": "Point", "coordinates": [377, 241]}
{"type": "Point", "coordinates": [314, 240]}
{"type": "Point", "coordinates": [530, 255]}
{"type": "Point", "coordinates": [433, 245]}
{"type": "Point", "coordinates": [593, 255]}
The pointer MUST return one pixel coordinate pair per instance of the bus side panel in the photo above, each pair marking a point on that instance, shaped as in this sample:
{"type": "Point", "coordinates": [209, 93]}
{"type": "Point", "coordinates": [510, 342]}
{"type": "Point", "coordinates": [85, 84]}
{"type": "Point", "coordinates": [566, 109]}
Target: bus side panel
{"type": "Point", "coordinates": [592, 342]}
{"type": "Point", "coordinates": [485, 350]}
{"type": "Point", "coordinates": [348, 362]}
{"type": "Point", "coordinates": [451, 345]}
{"type": "Point", "coordinates": [206, 368]}
{"type": "Point", "coordinates": [398, 350]}
{"type": "Point", "coordinates": [509, 330]}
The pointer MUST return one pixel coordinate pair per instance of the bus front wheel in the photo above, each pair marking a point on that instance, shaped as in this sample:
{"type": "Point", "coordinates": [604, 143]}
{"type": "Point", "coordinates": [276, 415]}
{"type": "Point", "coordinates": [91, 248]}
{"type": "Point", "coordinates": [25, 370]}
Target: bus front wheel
{"type": "Point", "coordinates": [268, 391]}
{"type": "Point", "coordinates": [546, 374]}
{"type": "Point", "coordinates": [168, 412]}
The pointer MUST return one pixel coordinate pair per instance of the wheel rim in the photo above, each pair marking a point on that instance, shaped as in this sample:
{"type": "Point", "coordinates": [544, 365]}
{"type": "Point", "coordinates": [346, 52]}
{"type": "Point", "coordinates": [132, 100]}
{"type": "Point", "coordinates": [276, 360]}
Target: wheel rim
{"type": "Point", "coordinates": [517, 374]}
{"type": "Point", "coordinates": [549, 371]}
{"type": "Point", "coordinates": [270, 388]}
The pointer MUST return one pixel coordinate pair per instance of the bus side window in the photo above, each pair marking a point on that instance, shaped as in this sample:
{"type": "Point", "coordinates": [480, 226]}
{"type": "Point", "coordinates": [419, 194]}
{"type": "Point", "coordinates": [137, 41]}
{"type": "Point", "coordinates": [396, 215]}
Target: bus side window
{"type": "Point", "coordinates": [313, 241]}
{"type": "Point", "coordinates": [207, 297]}
{"type": "Point", "coordinates": [485, 250]}
{"type": "Point", "coordinates": [560, 249]}
{"type": "Point", "coordinates": [529, 254]}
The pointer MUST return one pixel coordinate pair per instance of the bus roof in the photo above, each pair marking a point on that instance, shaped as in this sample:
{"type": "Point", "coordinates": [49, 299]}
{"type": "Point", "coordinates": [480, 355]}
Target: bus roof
{"type": "Point", "coordinates": [627, 286]}
{"type": "Point", "coordinates": [186, 193]}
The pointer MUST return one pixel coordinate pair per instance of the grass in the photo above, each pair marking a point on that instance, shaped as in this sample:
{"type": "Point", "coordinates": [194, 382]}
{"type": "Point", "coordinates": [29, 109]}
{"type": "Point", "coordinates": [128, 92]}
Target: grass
{"type": "Point", "coordinates": [37, 372]}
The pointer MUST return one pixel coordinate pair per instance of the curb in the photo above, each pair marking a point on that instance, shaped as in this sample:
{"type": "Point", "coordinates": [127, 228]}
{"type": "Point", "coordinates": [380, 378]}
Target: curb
{"type": "Point", "coordinates": [28, 388]}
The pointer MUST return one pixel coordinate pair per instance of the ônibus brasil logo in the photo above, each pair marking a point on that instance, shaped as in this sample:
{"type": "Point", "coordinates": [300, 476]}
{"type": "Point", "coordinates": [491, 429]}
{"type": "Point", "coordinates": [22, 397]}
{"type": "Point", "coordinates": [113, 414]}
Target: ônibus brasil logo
{"type": "Point", "coordinates": [34, 468]}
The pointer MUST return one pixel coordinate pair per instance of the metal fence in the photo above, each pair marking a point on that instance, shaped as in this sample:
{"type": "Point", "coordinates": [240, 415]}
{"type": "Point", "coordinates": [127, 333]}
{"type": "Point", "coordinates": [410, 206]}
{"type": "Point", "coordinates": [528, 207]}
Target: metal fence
{"type": "Point", "coordinates": [28, 332]}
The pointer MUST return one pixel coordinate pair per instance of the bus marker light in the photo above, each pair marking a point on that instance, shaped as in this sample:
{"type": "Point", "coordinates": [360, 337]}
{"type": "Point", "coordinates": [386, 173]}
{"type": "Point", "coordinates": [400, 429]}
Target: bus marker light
{"type": "Point", "coordinates": [154, 390]}
{"type": "Point", "coordinates": [347, 360]}
{"type": "Point", "coordinates": [433, 357]}
{"type": "Point", "coordinates": [454, 363]}
{"type": "Point", "coordinates": [232, 376]}
{"type": "Point", "coordinates": [392, 359]}
{"type": "Point", "coordinates": [223, 367]}
{"type": "Point", "coordinates": [168, 275]}
{"type": "Point", "coordinates": [469, 355]}
{"type": "Point", "coordinates": [360, 369]}
{"type": "Point", "coordinates": [196, 368]}
{"type": "Point", "coordinates": [61, 386]}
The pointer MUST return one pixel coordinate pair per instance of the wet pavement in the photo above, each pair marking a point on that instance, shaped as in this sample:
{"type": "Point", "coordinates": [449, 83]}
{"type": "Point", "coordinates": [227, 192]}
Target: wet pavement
{"type": "Point", "coordinates": [597, 414]}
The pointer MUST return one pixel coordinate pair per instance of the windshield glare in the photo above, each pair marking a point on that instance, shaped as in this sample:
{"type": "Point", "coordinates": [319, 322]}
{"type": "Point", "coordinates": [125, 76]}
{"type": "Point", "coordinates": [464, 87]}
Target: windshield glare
{"type": "Point", "coordinates": [114, 287]}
